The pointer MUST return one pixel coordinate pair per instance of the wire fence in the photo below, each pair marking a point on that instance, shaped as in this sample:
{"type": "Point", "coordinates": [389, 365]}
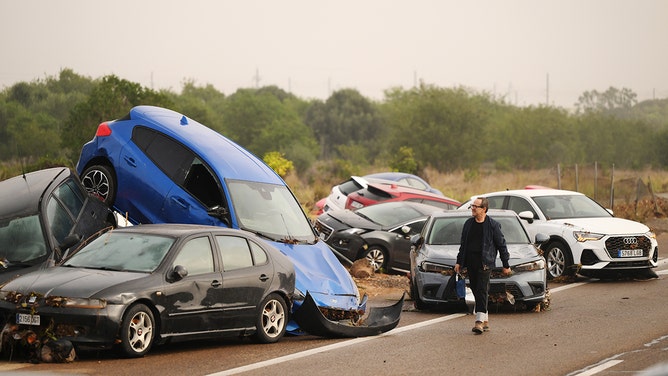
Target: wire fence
{"type": "Point", "coordinates": [599, 182]}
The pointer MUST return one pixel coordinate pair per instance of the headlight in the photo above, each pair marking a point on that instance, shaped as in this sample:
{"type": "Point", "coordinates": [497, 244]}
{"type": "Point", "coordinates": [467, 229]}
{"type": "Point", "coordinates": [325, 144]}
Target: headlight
{"type": "Point", "coordinates": [583, 236]}
{"type": "Point", "coordinates": [529, 266]}
{"type": "Point", "coordinates": [650, 235]}
{"type": "Point", "coordinates": [437, 268]}
{"type": "Point", "coordinates": [77, 303]}
{"type": "Point", "coordinates": [353, 231]}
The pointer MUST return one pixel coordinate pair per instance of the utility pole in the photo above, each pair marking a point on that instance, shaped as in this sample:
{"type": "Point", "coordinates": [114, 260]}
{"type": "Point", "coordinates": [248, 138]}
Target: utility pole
{"type": "Point", "coordinates": [547, 90]}
{"type": "Point", "coordinates": [256, 78]}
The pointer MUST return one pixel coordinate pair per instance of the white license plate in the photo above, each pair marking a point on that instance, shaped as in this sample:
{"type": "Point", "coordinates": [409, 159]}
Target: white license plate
{"type": "Point", "coordinates": [26, 319]}
{"type": "Point", "coordinates": [629, 253]}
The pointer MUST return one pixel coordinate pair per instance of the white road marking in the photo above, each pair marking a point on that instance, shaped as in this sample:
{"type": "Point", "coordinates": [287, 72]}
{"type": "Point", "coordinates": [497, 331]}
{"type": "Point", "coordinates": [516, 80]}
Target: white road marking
{"type": "Point", "coordinates": [339, 345]}
{"type": "Point", "coordinates": [599, 368]}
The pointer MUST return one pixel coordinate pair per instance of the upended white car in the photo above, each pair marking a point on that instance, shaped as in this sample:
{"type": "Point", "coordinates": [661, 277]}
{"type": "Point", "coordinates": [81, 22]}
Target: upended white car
{"type": "Point", "coordinates": [584, 236]}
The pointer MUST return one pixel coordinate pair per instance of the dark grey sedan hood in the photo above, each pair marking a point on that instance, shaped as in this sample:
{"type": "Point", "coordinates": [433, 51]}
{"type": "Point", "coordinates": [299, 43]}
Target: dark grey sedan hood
{"type": "Point", "coordinates": [70, 282]}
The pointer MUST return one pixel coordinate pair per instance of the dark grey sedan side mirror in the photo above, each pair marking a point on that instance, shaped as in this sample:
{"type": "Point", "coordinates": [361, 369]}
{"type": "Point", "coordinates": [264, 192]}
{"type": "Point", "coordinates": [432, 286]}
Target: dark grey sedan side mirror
{"type": "Point", "coordinates": [417, 240]}
{"type": "Point", "coordinates": [179, 272]}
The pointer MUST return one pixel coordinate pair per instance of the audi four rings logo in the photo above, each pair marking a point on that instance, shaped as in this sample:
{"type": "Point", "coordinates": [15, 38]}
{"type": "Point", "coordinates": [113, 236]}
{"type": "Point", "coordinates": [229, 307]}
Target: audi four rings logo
{"type": "Point", "coordinates": [629, 241]}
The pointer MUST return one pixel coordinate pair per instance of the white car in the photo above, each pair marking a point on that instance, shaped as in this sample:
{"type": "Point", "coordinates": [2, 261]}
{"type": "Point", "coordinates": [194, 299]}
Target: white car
{"type": "Point", "coordinates": [584, 236]}
{"type": "Point", "coordinates": [339, 194]}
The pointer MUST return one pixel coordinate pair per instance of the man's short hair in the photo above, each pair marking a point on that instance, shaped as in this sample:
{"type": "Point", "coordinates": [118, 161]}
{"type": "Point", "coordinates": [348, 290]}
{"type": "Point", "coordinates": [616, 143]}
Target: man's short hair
{"type": "Point", "coordinates": [484, 203]}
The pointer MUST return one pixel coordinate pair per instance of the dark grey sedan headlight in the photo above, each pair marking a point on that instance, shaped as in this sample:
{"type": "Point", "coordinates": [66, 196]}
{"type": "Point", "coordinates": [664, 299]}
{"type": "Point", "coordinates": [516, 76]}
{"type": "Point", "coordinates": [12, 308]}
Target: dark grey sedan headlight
{"type": "Point", "coordinates": [529, 266]}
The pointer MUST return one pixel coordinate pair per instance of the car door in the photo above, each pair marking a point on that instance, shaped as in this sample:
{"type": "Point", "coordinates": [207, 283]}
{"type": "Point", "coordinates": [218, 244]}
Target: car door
{"type": "Point", "coordinates": [193, 303]}
{"type": "Point", "coordinates": [71, 211]}
{"type": "Point", "coordinates": [402, 244]}
{"type": "Point", "coordinates": [145, 174]}
{"type": "Point", "coordinates": [193, 194]}
{"type": "Point", "coordinates": [247, 277]}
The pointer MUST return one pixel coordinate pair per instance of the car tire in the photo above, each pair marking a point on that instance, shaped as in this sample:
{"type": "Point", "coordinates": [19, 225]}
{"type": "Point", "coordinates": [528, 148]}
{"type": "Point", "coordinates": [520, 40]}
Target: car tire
{"type": "Point", "coordinates": [377, 257]}
{"type": "Point", "coordinates": [272, 319]}
{"type": "Point", "coordinates": [138, 331]}
{"type": "Point", "coordinates": [559, 259]}
{"type": "Point", "coordinates": [100, 181]}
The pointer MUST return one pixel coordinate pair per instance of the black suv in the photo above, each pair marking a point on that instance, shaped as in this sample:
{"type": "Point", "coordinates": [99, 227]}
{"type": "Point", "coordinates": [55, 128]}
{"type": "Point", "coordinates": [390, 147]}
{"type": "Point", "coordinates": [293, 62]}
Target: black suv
{"type": "Point", "coordinates": [44, 215]}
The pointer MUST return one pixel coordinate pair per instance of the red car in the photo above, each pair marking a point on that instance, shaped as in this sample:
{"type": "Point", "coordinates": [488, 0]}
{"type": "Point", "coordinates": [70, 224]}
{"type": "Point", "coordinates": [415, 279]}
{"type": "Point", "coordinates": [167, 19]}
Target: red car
{"type": "Point", "coordinates": [378, 192]}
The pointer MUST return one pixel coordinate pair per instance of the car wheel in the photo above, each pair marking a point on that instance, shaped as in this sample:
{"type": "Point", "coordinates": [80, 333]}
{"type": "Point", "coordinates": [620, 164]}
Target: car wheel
{"type": "Point", "coordinates": [559, 260]}
{"type": "Point", "coordinates": [417, 302]}
{"type": "Point", "coordinates": [271, 320]}
{"type": "Point", "coordinates": [100, 181]}
{"type": "Point", "coordinates": [137, 331]}
{"type": "Point", "coordinates": [377, 257]}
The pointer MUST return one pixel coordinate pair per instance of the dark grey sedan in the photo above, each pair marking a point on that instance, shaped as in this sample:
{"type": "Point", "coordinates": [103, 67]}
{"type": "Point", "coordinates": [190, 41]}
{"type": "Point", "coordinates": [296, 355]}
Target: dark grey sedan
{"type": "Point", "coordinates": [381, 233]}
{"type": "Point", "coordinates": [148, 284]}
{"type": "Point", "coordinates": [435, 255]}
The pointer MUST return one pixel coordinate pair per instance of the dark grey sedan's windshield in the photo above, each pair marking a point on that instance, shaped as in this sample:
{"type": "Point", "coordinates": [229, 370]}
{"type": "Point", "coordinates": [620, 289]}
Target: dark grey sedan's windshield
{"type": "Point", "coordinates": [570, 206]}
{"type": "Point", "coordinates": [22, 239]}
{"type": "Point", "coordinates": [123, 251]}
{"type": "Point", "coordinates": [270, 210]}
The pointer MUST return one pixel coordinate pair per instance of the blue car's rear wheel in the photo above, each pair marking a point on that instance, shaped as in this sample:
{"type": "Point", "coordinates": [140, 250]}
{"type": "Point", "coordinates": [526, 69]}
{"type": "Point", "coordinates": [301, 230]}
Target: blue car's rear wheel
{"type": "Point", "coordinates": [100, 181]}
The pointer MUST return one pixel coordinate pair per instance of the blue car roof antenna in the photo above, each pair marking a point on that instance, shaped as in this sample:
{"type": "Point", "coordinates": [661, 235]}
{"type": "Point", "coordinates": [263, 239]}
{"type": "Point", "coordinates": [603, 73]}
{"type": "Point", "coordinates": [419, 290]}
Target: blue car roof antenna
{"type": "Point", "coordinates": [184, 120]}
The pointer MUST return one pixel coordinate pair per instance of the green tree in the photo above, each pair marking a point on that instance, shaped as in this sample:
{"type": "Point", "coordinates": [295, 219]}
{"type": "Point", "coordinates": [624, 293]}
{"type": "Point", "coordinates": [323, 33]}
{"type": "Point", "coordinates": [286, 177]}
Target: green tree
{"type": "Point", "coordinates": [612, 100]}
{"type": "Point", "coordinates": [444, 127]}
{"type": "Point", "coordinates": [111, 98]}
{"type": "Point", "coordinates": [346, 118]}
{"type": "Point", "coordinates": [261, 123]}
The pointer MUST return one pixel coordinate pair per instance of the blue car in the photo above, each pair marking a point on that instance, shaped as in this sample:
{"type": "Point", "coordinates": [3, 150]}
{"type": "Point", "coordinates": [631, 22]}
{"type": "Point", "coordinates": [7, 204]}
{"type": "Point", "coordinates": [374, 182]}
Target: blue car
{"type": "Point", "coordinates": [158, 166]}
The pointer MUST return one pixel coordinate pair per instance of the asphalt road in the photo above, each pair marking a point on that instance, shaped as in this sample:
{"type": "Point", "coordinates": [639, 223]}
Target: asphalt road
{"type": "Point", "coordinates": [592, 327]}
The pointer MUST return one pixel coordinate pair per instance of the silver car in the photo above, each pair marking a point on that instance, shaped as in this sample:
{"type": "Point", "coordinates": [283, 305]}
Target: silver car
{"type": "Point", "coordinates": [434, 255]}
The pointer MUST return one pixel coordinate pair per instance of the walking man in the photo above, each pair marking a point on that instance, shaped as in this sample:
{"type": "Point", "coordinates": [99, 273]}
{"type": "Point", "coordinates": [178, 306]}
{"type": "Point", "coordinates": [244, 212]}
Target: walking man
{"type": "Point", "coordinates": [481, 240]}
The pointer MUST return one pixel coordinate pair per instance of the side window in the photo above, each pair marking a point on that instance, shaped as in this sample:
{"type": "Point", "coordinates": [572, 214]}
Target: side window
{"type": "Point", "coordinates": [234, 251]}
{"type": "Point", "coordinates": [259, 257]}
{"type": "Point", "coordinates": [71, 197]}
{"type": "Point", "coordinates": [416, 228]}
{"type": "Point", "coordinates": [170, 156]}
{"type": "Point", "coordinates": [496, 202]}
{"type": "Point", "coordinates": [200, 183]}
{"type": "Point", "coordinates": [60, 221]}
{"type": "Point", "coordinates": [196, 256]}
{"type": "Point", "coordinates": [519, 204]}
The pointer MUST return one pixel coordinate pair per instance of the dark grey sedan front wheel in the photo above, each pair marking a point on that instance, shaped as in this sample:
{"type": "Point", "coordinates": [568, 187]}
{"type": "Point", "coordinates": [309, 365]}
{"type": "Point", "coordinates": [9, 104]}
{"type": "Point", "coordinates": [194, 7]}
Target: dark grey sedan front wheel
{"type": "Point", "coordinates": [137, 331]}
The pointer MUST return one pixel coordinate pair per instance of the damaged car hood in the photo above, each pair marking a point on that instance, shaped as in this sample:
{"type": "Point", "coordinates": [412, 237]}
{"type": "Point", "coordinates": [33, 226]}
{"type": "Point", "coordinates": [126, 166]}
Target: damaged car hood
{"type": "Point", "coordinates": [72, 282]}
{"type": "Point", "coordinates": [321, 274]}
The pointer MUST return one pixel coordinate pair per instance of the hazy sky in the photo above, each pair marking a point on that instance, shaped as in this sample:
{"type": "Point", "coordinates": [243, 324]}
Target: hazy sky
{"type": "Point", "coordinates": [529, 51]}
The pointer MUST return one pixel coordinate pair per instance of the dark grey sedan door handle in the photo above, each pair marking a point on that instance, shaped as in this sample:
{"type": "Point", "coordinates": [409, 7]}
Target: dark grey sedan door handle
{"type": "Point", "coordinates": [264, 278]}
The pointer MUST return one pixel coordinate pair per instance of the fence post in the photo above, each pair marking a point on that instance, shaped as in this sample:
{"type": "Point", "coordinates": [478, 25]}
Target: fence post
{"type": "Point", "coordinates": [612, 188]}
{"type": "Point", "coordinates": [577, 180]}
{"type": "Point", "coordinates": [595, 180]}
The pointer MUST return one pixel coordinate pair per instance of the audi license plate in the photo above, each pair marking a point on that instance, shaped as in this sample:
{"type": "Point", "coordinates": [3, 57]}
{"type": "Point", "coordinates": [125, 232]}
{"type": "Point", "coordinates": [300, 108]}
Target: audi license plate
{"type": "Point", "coordinates": [629, 253]}
{"type": "Point", "coordinates": [26, 319]}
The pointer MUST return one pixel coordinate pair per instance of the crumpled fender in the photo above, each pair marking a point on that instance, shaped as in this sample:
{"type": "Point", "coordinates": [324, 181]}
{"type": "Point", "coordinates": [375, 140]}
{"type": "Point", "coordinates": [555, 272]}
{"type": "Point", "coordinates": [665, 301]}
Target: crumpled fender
{"type": "Point", "coordinates": [379, 320]}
